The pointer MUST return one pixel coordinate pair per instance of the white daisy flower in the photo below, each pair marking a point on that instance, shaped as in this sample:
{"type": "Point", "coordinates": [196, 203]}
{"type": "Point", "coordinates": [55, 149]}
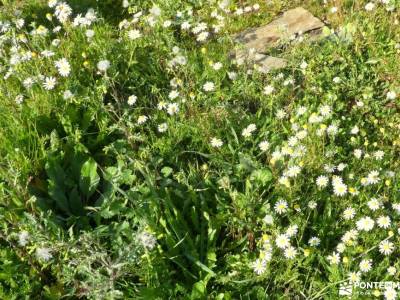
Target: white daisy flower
{"type": "Point", "coordinates": [332, 129]}
{"type": "Point", "coordinates": [355, 130]}
{"type": "Point", "coordinates": [209, 86]}
{"type": "Point", "coordinates": [365, 265]}
{"type": "Point", "coordinates": [47, 53]}
{"type": "Point", "coordinates": [349, 235]}
{"type": "Point", "coordinates": [52, 3]}
{"type": "Point", "coordinates": [259, 266]}
{"type": "Point", "coordinates": [340, 167]}
{"type": "Point", "coordinates": [329, 169]}
{"type": "Point", "coordinates": [216, 143]}
{"type": "Point", "coordinates": [28, 82]}
{"type": "Point", "coordinates": [369, 6]}
{"type": "Point", "coordinates": [391, 270]}
{"type": "Point", "coordinates": [365, 223]}
{"type": "Point", "coordinates": [312, 204]}
{"type": "Point", "coordinates": [173, 94]}
{"type": "Point", "coordinates": [19, 99]}
{"type": "Point", "coordinates": [374, 204]}
{"type": "Point", "coordinates": [334, 259]}
{"type": "Point", "coordinates": [292, 230]}
{"type": "Point", "coordinates": [357, 153]}
{"type": "Point", "coordinates": [103, 65]}
{"type": "Point", "coordinates": [301, 110]}
{"type": "Point", "coordinates": [249, 130]}
{"type": "Point", "coordinates": [167, 23]}
{"type": "Point", "coordinates": [264, 145]}
{"type": "Point", "coordinates": [390, 293]}
{"type": "Point", "coordinates": [162, 127]}
{"type": "Point", "coordinates": [281, 206]}
{"type": "Point", "coordinates": [349, 213]}
{"type": "Point", "coordinates": [147, 240]}
{"type": "Point", "coordinates": [391, 95]}
{"type": "Point", "coordinates": [290, 252]}
{"type": "Point", "coordinates": [386, 247]}
{"type": "Point", "coordinates": [162, 105]}
{"type": "Point", "coordinates": [354, 277]}
{"type": "Point", "coordinates": [396, 207]}
{"type": "Point", "coordinates": [67, 95]}
{"type": "Point", "coordinates": [217, 66]}
{"type": "Point", "coordinates": [134, 34]}
{"type": "Point", "coordinates": [379, 154]}
{"type": "Point", "coordinates": [339, 189]}
{"type": "Point", "coordinates": [293, 171]}
{"type": "Point", "coordinates": [268, 90]}
{"type": "Point", "coordinates": [172, 109]}
{"type": "Point", "coordinates": [132, 100]}
{"type": "Point", "coordinates": [62, 12]}
{"type": "Point", "coordinates": [63, 67]}
{"type": "Point", "coordinates": [383, 222]}
{"type": "Point", "coordinates": [373, 177]}
{"type": "Point", "coordinates": [281, 114]}
{"type": "Point", "coordinates": [282, 241]}
{"type": "Point", "coordinates": [325, 110]}
{"type": "Point", "coordinates": [89, 33]}
{"type": "Point", "coordinates": [202, 36]}
{"type": "Point", "coordinates": [341, 247]}
{"type": "Point", "coordinates": [185, 25]}
{"type": "Point", "coordinates": [142, 119]}
{"type": "Point", "coordinates": [322, 181]}
{"type": "Point", "coordinates": [314, 241]}
{"type": "Point", "coordinates": [155, 11]}
{"type": "Point", "coordinates": [232, 75]}
{"type": "Point", "coordinates": [49, 83]}
{"type": "Point", "coordinates": [303, 65]}
{"type": "Point", "coordinates": [268, 219]}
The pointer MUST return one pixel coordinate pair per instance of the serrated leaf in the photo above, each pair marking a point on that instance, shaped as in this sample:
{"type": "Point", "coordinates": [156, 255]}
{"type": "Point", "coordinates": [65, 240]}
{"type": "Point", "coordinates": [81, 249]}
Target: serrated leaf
{"type": "Point", "coordinates": [166, 171]}
{"type": "Point", "coordinates": [262, 176]}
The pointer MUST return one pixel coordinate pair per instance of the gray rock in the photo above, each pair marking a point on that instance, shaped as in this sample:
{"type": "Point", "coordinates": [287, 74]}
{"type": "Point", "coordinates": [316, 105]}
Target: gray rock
{"type": "Point", "coordinates": [292, 22]}
{"type": "Point", "coordinates": [261, 62]}
{"type": "Point", "coordinates": [268, 63]}
{"type": "Point", "coordinates": [254, 42]}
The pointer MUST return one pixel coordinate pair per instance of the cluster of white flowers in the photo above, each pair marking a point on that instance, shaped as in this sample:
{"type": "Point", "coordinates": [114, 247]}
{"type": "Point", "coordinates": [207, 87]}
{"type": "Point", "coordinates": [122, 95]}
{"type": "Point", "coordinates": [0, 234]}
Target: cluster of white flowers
{"type": "Point", "coordinates": [260, 265]}
{"type": "Point", "coordinates": [62, 11]}
{"type": "Point", "coordinates": [147, 240]}
{"type": "Point", "coordinates": [247, 132]}
{"type": "Point", "coordinates": [87, 20]}
{"type": "Point", "coordinates": [43, 254]}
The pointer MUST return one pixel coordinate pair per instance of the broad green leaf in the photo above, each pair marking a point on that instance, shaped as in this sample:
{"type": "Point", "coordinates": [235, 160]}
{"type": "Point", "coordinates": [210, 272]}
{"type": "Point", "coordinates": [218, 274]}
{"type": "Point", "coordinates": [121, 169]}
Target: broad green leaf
{"type": "Point", "coordinates": [75, 203]}
{"type": "Point", "coordinates": [89, 178]}
{"type": "Point", "coordinates": [57, 193]}
{"type": "Point", "coordinates": [55, 172]}
{"type": "Point", "coordinates": [198, 291]}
